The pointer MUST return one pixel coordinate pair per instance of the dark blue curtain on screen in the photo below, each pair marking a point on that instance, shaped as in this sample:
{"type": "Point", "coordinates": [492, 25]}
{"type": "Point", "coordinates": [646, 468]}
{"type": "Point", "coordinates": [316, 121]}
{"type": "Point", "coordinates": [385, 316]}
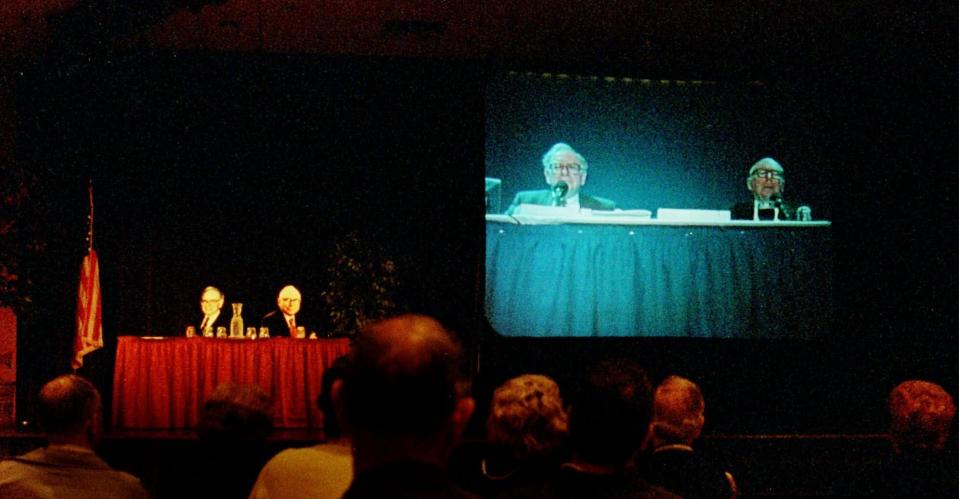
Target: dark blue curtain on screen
{"type": "Point", "coordinates": [708, 282]}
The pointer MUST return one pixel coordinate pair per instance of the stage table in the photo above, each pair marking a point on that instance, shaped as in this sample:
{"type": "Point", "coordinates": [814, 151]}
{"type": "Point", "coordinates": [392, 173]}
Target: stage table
{"type": "Point", "coordinates": [162, 382]}
{"type": "Point", "coordinates": [609, 277]}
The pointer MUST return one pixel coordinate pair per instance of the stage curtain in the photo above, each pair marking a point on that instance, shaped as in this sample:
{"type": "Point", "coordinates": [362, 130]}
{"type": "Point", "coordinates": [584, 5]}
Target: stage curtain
{"type": "Point", "coordinates": [162, 383]}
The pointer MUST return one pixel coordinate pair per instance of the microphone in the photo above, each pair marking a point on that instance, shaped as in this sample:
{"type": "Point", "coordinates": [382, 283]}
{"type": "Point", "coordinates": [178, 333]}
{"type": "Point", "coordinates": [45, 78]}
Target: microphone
{"type": "Point", "coordinates": [777, 200]}
{"type": "Point", "coordinates": [559, 190]}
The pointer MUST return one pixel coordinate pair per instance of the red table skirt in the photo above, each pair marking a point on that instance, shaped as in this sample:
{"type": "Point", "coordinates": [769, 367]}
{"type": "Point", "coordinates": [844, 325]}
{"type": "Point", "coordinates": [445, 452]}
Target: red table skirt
{"type": "Point", "coordinates": [162, 383]}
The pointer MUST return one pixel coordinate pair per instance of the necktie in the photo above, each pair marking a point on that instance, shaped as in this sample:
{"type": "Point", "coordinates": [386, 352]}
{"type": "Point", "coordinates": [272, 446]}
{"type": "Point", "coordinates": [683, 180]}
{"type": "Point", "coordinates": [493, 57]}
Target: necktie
{"type": "Point", "coordinates": [292, 329]}
{"type": "Point", "coordinates": [206, 319]}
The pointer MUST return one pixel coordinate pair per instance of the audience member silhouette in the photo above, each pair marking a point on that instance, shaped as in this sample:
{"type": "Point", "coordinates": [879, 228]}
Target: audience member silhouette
{"type": "Point", "coordinates": [670, 461]}
{"type": "Point", "coordinates": [405, 402]}
{"type": "Point", "coordinates": [231, 449]}
{"type": "Point", "coordinates": [921, 415]}
{"type": "Point", "coordinates": [320, 471]}
{"type": "Point", "coordinates": [608, 421]}
{"type": "Point", "coordinates": [70, 413]}
{"type": "Point", "coordinates": [526, 434]}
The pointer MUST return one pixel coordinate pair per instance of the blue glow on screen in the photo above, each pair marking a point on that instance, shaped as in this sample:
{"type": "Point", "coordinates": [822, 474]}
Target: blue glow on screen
{"type": "Point", "coordinates": [659, 144]}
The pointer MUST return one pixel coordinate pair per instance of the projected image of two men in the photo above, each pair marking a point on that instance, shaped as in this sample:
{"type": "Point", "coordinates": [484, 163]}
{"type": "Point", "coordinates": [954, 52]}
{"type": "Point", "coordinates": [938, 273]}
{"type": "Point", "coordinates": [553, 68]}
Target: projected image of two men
{"type": "Point", "coordinates": [629, 207]}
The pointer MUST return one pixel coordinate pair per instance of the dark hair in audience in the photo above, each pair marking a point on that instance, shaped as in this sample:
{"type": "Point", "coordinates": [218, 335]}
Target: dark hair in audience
{"type": "Point", "coordinates": [404, 377]}
{"type": "Point", "coordinates": [235, 411]}
{"type": "Point", "coordinates": [65, 403]}
{"type": "Point", "coordinates": [610, 415]}
{"type": "Point", "coordinates": [331, 426]}
{"type": "Point", "coordinates": [921, 415]}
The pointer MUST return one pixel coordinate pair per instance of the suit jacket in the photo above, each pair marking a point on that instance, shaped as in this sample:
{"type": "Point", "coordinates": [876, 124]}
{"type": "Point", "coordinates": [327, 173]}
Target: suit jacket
{"type": "Point", "coordinates": [744, 211]}
{"type": "Point", "coordinates": [544, 198]}
{"type": "Point", "coordinates": [221, 320]}
{"type": "Point", "coordinates": [277, 323]}
{"type": "Point", "coordinates": [65, 471]}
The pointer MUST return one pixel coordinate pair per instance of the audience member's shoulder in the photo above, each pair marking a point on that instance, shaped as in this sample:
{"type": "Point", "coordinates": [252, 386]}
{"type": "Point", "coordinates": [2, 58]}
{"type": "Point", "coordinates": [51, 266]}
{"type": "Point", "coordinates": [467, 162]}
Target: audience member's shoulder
{"type": "Point", "coordinates": [320, 471]}
{"type": "Point", "coordinates": [128, 485]}
{"type": "Point", "coordinates": [918, 473]}
{"type": "Point", "coordinates": [26, 478]}
{"type": "Point", "coordinates": [693, 474]}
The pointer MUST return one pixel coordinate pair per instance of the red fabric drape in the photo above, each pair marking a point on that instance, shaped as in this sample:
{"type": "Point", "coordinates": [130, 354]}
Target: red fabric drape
{"type": "Point", "coordinates": [162, 383]}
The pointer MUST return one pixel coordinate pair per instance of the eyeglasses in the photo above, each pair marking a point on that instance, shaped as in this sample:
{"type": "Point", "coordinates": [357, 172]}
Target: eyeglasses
{"type": "Point", "coordinates": [573, 168]}
{"type": "Point", "coordinates": [768, 174]}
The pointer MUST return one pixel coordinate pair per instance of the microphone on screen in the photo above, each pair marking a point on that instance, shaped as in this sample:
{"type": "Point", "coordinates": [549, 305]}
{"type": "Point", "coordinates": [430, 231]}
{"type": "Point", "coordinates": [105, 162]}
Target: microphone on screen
{"type": "Point", "coordinates": [777, 200]}
{"type": "Point", "coordinates": [559, 190]}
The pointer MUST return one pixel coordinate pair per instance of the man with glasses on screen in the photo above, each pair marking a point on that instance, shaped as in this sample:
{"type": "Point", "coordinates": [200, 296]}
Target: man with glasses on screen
{"type": "Point", "coordinates": [766, 182]}
{"type": "Point", "coordinates": [565, 171]}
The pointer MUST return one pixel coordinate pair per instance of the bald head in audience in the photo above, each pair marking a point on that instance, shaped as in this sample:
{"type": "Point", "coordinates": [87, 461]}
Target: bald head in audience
{"type": "Point", "coordinates": [70, 411]}
{"type": "Point", "coordinates": [678, 416]}
{"type": "Point", "coordinates": [404, 394]}
{"type": "Point", "coordinates": [670, 460]}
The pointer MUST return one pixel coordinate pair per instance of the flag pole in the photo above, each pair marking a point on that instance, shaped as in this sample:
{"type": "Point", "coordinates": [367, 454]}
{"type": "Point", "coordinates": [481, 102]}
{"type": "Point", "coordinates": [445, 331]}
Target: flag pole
{"type": "Point", "coordinates": [89, 336]}
{"type": "Point", "coordinates": [90, 218]}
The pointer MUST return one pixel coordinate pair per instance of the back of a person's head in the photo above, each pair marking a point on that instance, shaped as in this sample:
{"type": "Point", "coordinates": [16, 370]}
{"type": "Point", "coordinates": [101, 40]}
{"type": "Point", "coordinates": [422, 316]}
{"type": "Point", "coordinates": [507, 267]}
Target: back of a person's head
{"type": "Point", "coordinates": [336, 371]}
{"type": "Point", "coordinates": [677, 410]}
{"type": "Point", "coordinates": [66, 403]}
{"type": "Point", "coordinates": [610, 414]}
{"type": "Point", "coordinates": [236, 411]}
{"type": "Point", "coordinates": [921, 415]}
{"type": "Point", "coordinates": [404, 377]}
{"type": "Point", "coordinates": [527, 416]}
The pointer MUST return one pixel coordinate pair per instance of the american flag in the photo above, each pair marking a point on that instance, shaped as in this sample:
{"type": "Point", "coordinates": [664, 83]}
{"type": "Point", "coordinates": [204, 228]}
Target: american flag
{"type": "Point", "coordinates": [89, 326]}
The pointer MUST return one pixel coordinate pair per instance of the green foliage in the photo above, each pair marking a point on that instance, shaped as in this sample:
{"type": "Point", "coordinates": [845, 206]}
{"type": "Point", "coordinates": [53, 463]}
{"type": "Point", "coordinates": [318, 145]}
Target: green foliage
{"type": "Point", "coordinates": [363, 285]}
{"type": "Point", "coordinates": [18, 238]}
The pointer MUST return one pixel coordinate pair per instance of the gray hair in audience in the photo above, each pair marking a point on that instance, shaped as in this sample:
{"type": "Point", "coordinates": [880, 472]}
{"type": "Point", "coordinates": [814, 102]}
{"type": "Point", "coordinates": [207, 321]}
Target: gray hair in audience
{"type": "Point", "coordinates": [921, 415]}
{"type": "Point", "coordinates": [527, 415]}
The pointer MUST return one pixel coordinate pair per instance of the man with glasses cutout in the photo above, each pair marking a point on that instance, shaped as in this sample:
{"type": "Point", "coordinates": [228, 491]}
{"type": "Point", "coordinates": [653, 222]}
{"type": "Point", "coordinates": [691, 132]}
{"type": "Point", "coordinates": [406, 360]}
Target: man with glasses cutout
{"type": "Point", "coordinates": [565, 171]}
{"type": "Point", "coordinates": [766, 182]}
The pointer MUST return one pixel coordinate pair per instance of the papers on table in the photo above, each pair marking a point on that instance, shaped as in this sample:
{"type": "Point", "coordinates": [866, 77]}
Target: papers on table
{"type": "Point", "coordinates": [686, 215]}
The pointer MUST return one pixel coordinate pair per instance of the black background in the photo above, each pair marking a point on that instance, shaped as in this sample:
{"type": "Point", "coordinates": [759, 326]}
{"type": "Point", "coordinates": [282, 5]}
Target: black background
{"type": "Point", "coordinates": [243, 169]}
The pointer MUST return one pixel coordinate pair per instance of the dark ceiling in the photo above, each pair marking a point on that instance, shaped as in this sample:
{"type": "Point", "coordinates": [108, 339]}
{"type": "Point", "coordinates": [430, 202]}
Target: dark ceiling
{"type": "Point", "coordinates": [676, 38]}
